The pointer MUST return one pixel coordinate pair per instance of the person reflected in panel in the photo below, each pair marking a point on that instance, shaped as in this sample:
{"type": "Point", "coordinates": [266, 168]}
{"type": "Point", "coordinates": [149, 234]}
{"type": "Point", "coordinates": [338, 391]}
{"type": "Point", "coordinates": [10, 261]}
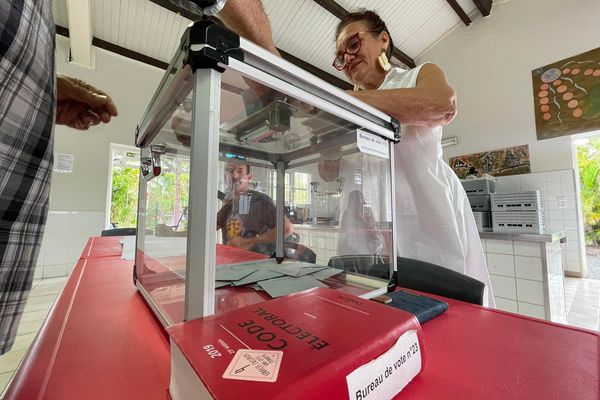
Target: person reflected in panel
{"type": "Point", "coordinates": [247, 218]}
{"type": "Point", "coordinates": [358, 229]}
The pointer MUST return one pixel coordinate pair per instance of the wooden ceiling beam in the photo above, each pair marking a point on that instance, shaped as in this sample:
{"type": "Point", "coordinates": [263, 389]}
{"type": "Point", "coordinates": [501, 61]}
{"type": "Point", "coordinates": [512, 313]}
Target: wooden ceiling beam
{"type": "Point", "coordinates": [484, 6]}
{"type": "Point", "coordinates": [329, 78]}
{"type": "Point", "coordinates": [460, 12]}
{"type": "Point", "coordinates": [340, 12]}
{"type": "Point", "coordinates": [80, 23]}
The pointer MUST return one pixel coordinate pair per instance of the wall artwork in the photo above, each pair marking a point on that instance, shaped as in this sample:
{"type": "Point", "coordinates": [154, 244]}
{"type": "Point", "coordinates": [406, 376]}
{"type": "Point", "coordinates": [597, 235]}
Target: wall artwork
{"type": "Point", "coordinates": [509, 161]}
{"type": "Point", "coordinates": [567, 96]}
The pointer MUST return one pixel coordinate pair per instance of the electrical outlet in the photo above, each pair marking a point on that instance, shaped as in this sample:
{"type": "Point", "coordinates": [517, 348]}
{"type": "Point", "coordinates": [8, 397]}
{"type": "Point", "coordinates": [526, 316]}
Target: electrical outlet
{"type": "Point", "coordinates": [562, 201]}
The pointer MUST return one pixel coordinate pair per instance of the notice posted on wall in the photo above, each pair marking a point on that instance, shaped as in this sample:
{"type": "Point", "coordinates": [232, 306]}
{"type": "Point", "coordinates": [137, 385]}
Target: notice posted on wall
{"type": "Point", "coordinates": [374, 145]}
{"type": "Point", "coordinates": [63, 163]}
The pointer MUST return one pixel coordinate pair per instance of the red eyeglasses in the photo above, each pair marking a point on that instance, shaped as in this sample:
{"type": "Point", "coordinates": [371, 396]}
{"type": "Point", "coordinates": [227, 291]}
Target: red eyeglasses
{"type": "Point", "coordinates": [352, 47]}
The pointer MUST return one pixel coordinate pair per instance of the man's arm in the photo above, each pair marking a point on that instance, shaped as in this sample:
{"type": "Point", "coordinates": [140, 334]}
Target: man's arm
{"type": "Point", "coordinates": [248, 19]}
{"type": "Point", "coordinates": [268, 236]}
{"type": "Point", "coordinates": [431, 103]}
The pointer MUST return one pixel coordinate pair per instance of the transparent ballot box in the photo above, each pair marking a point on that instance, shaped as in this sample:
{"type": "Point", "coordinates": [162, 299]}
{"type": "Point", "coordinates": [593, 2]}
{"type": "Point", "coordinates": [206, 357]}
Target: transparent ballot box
{"type": "Point", "coordinates": [258, 180]}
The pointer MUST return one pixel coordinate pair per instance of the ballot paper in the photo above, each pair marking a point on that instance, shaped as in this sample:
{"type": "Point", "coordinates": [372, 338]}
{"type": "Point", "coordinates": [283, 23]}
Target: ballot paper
{"type": "Point", "coordinates": [232, 273]}
{"type": "Point", "coordinates": [326, 273]}
{"type": "Point", "coordinates": [297, 268]}
{"type": "Point", "coordinates": [288, 284]}
{"type": "Point", "coordinates": [277, 280]}
{"type": "Point", "coordinates": [257, 276]}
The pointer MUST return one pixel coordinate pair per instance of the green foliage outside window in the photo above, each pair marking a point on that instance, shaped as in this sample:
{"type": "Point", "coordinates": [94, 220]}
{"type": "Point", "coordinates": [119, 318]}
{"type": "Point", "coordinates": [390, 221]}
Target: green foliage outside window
{"type": "Point", "coordinates": [123, 210]}
{"type": "Point", "coordinates": [164, 193]}
{"type": "Point", "coordinates": [588, 157]}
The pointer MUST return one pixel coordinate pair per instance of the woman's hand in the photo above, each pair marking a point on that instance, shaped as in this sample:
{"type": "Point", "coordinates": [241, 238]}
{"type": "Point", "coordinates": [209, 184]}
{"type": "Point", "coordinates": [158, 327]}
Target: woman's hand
{"type": "Point", "coordinates": [80, 105]}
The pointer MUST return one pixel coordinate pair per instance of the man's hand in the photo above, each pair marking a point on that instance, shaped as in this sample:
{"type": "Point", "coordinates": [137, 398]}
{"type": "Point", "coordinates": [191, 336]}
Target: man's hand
{"type": "Point", "coordinates": [80, 105]}
{"type": "Point", "coordinates": [241, 242]}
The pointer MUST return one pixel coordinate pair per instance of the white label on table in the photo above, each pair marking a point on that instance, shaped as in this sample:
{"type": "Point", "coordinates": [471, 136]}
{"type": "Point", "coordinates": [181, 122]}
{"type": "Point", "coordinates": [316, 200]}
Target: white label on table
{"type": "Point", "coordinates": [254, 365]}
{"type": "Point", "coordinates": [372, 144]}
{"type": "Point", "coordinates": [389, 373]}
{"type": "Point", "coordinates": [63, 163]}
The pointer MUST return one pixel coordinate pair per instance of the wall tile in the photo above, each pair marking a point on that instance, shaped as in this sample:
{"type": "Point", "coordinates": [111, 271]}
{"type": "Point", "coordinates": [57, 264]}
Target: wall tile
{"type": "Point", "coordinates": [53, 271]}
{"type": "Point", "coordinates": [553, 185]}
{"type": "Point", "coordinates": [570, 214]}
{"type": "Point", "coordinates": [38, 272]}
{"type": "Point", "coordinates": [502, 185]}
{"type": "Point", "coordinates": [567, 173]}
{"type": "Point", "coordinates": [527, 249]}
{"type": "Point", "coordinates": [57, 250]}
{"type": "Point", "coordinates": [529, 268]}
{"type": "Point", "coordinates": [572, 255]}
{"type": "Point", "coordinates": [573, 266]}
{"type": "Point", "coordinates": [532, 310]}
{"type": "Point", "coordinates": [567, 185]}
{"type": "Point", "coordinates": [514, 184]}
{"type": "Point", "coordinates": [539, 185]}
{"type": "Point", "coordinates": [526, 182]}
{"type": "Point", "coordinates": [501, 264]}
{"type": "Point", "coordinates": [506, 305]}
{"type": "Point", "coordinates": [499, 246]}
{"type": "Point", "coordinates": [530, 291]}
{"type": "Point", "coordinates": [504, 286]}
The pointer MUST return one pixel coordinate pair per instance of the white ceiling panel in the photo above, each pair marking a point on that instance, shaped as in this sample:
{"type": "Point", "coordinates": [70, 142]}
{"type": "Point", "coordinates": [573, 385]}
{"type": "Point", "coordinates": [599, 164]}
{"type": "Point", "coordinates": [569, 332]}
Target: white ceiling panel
{"type": "Point", "coordinates": [305, 30]}
{"type": "Point", "coordinates": [59, 8]}
{"type": "Point", "coordinates": [300, 27]}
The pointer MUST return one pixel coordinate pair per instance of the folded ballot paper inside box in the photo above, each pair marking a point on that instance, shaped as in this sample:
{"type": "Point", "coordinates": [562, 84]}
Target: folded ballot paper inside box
{"type": "Point", "coordinates": [319, 343]}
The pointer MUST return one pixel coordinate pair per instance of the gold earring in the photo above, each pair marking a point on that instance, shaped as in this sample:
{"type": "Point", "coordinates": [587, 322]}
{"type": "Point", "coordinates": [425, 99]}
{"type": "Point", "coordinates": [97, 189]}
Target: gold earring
{"type": "Point", "coordinates": [383, 61]}
{"type": "Point", "coordinates": [356, 87]}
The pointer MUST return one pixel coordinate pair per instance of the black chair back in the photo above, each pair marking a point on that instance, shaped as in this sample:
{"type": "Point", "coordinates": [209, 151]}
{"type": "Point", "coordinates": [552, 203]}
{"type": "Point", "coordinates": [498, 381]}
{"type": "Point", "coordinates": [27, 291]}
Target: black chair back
{"type": "Point", "coordinates": [431, 278]}
{"type": "Point", "coordinates": [365, 264]}
{"type": "Point", "coordinates": [119, 232]}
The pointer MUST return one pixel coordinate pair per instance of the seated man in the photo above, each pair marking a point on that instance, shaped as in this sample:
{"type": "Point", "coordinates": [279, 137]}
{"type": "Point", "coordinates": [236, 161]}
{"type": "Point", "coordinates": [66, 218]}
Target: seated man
{"type": "Point", "coordinates": [248, 218]}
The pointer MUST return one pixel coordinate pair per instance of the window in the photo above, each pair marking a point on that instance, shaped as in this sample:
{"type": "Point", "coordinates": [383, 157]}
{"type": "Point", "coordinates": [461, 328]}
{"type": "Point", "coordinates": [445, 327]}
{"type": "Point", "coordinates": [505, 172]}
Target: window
{"type": "Point", "coordinates": [123, 186]}
{"type": "Point", "coordinates": [297, 187]}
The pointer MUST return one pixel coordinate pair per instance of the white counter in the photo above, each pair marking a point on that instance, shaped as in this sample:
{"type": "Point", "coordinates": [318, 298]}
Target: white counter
{"type": "Point", "coordinates": [527, 273]}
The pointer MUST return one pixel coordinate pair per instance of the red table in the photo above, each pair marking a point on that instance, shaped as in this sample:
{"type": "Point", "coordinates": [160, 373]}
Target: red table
{"type": "Point", "coordinates": [102, 247]}
{"type": "Point", "coordinates": [101, 341]}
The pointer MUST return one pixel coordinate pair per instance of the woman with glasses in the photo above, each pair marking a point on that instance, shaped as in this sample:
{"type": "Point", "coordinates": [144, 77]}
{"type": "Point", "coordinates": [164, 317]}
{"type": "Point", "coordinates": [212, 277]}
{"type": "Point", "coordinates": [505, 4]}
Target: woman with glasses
{"type": "Point", "coordinates": [434, 218]}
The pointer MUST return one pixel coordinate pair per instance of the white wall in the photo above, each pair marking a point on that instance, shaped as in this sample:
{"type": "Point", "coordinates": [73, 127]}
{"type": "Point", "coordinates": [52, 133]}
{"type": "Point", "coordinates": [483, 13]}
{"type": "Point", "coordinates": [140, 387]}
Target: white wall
{"type": "Point", "coordinates": [78, 200]}
{"type": "Point", "coordinates": [489, 64]}
{"type": "Point", "coordinates": [131, 85]}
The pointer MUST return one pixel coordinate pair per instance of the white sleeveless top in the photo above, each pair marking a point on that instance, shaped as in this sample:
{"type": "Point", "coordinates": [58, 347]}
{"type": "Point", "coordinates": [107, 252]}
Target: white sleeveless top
{"type": "Point", "coordinates": [434, 219]}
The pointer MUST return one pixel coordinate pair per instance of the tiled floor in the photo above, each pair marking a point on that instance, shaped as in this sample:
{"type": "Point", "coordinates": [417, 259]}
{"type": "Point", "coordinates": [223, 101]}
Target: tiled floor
{"type": "Point", "coordinates": [42, 297]}
{"type": "Point", "coordinates": [583, 302]}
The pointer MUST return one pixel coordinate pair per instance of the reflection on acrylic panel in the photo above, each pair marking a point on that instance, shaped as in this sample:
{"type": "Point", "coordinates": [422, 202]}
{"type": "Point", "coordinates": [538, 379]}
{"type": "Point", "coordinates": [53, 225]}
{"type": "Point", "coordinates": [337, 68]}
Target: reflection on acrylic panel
{"type": "Point", "coordinates": [567, 96]}
{"type": "Point", "coordinates": [509, 161]}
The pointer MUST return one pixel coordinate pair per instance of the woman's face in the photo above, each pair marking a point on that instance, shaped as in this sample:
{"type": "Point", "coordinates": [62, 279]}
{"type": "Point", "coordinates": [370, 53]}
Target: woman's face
{"type": "Point", "coordinates": [361, 65]}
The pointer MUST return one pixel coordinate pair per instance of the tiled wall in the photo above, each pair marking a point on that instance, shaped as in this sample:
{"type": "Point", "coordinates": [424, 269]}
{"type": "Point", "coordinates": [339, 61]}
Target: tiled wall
{"type": "Point", "coordinates": [517, 277]}
{"type": "Point", "coordinates": [558, 190]}
{"type": "Point", "coordinates": [65, 236]}
{"type": "Point", "coordinates": [322, 241]}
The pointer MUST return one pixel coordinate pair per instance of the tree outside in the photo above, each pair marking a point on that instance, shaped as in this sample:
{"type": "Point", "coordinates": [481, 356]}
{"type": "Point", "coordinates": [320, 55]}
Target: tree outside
{"type": "Point", "coordinates": [588, 157]}
{"type": "Point", "coordinates": [124, 196]}
{"type": "Point", "coordinates": [167, 195]}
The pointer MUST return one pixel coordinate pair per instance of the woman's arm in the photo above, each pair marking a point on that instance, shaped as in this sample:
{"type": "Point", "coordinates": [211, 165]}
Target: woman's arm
{"type": "Point", "coordinates": [431, 103]}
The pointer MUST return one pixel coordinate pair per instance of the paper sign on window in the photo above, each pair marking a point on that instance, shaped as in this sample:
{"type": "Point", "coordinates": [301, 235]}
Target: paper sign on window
{"type": "Point", "coordinates": [372, 144]}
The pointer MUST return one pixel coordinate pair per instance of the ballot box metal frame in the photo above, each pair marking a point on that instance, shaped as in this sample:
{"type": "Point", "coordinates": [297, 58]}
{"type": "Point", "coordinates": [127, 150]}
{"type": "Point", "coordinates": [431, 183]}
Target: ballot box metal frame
{"type": "Point", "coordinates": [206, 50]}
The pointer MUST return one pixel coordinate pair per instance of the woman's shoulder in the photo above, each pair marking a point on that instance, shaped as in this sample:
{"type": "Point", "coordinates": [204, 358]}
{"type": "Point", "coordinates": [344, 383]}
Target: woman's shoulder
{"type": "Point", "coordinates": [402, 78]}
